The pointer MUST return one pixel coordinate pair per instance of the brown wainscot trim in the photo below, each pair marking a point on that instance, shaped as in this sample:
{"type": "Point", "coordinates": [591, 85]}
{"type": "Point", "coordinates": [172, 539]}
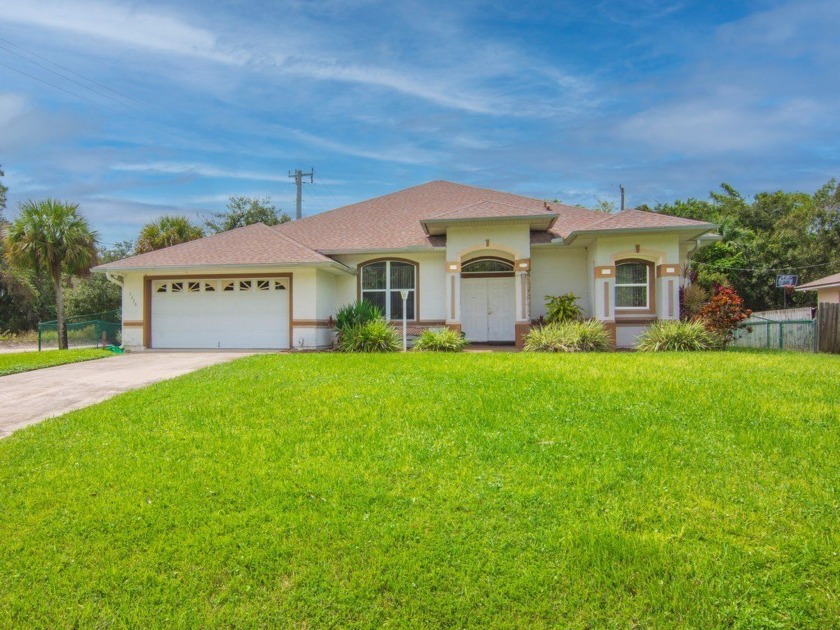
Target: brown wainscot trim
{"type": "Point", "coordinates": [133, 323]}
{"type": "Point", "coordinates": [147, 295]}
{"type": "Point", "coordinates": [312, 323]}
{"type": "Point", "coordinates": [455, 327]}
{"type": "Point", "coordinates": [607, 271]}
{"type": "Point", "coordinates": [520, 332]}
{"type": "Point", "coordinates": [396, 259]}
{"type": "Point", "coordinates": [634, 321]}
{"type": "Point", "coordinates": [668, 270]}
{"type": "Point", "coordinates": [611, 329]}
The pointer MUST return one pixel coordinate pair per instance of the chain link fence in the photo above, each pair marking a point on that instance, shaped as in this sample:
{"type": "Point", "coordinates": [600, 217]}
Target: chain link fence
{"type": "Point", "coordinates": [95, 330]}
{"type": "Point", "coordinates": [768, 334]}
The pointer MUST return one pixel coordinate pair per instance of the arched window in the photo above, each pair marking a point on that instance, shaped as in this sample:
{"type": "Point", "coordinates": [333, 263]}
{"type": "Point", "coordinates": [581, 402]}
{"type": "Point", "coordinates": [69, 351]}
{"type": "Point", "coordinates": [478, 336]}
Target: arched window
{"type": "Point", "coordinates": [487, 267]}
{"type": "Point", "coordinates": [632, 285]}
{"type": "Point", "coordinates": [381, 284]}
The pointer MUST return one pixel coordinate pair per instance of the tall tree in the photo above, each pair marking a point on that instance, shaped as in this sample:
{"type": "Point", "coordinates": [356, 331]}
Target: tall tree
{"type": "Point", "coordinates": [242, 211]}
{"type": "Point", "coordinates": [95, 293]}
{"type": "Point", "coordinates": [167, 231]}
{"type": "Point", "coordinates": [52, 236]}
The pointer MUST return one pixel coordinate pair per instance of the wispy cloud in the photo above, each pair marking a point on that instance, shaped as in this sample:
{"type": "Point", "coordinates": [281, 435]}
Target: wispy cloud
{"type": "Point", "coordinates": [197, 170]}
{"type": "Point", "coordinates": [156, 30]}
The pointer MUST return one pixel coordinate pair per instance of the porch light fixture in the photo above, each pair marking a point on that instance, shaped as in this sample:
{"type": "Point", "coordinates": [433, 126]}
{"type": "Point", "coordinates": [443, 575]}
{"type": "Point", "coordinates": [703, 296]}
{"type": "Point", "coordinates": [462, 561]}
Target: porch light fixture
{"type": "Point", "coordinates": [453, 267]}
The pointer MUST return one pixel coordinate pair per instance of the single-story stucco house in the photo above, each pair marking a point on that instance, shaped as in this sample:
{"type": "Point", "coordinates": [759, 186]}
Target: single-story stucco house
{"type": "Point", "coordinates": [474, 260]}
{"type": "Point", "coordinates": [828, 289]}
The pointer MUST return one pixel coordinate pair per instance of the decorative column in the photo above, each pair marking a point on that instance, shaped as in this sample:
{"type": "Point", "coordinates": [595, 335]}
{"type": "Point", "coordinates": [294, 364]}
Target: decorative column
{"type": "Point", "coordinates": [522, 270]}
{"type": "Point", "coordinates": [453, 296]}
{"type": "Point", "coordinates": [604, 299]}
{"type": "Point", "coordinates": [668, 291]}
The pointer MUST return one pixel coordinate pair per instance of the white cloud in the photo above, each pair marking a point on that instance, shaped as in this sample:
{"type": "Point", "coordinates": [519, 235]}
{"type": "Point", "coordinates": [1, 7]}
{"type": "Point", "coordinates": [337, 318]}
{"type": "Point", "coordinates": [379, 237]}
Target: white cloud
{"type": "Point", "coordinates": [154, 30]}
{"type": "Point", "coordinates": [199, 170]}
{"type": "Point", "coordinates": [726, 122]}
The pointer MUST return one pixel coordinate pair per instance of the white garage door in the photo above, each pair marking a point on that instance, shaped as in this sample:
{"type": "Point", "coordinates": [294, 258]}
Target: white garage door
{"type": "Point", "coordinates": [223, 313]}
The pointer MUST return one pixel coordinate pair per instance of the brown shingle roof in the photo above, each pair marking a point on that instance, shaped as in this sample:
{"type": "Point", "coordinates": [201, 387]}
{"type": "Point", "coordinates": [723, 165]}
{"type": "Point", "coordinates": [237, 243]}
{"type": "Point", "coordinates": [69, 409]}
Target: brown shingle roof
{"type": "Point", "coordinates": [394, 221]}
{"type": "Point", "coordinates": [635, 219]}
{"type": "Point", "coordinates": [256, 244]}
{"type": "Point", "coordinates": [828, 281]}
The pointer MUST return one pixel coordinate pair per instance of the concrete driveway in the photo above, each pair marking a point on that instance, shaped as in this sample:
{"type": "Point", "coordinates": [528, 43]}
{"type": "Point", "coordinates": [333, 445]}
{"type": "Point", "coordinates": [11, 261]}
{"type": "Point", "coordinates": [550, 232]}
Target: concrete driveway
{"type": "Point", "coordinates": [30, 397]}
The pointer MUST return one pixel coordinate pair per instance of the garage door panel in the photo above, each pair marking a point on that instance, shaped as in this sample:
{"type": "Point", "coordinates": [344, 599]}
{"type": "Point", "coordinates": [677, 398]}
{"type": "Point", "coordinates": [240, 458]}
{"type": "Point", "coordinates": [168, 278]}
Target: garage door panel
{"type": "Point", "coordinates": [221, 319]}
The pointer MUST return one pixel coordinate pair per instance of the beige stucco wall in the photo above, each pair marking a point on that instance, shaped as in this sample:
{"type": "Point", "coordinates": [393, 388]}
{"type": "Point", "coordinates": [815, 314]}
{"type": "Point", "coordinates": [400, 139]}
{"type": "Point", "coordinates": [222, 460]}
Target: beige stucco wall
{"type": "Point", "coordinates": [829, 296]}
{"type": "Point", "coordinates": [555, 271]}
{"type": "Point", "coordinates": [468, 242]}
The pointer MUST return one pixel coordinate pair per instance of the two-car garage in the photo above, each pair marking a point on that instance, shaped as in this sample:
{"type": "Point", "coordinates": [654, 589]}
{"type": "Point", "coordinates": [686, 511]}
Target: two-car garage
{"type": "Point", "coordinates": [221, 312]}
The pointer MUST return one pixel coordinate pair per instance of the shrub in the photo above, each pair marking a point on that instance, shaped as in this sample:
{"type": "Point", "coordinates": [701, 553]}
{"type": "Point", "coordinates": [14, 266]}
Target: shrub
{"type": "Point", "coordinates": [373, 336]}
{"type": "Point", "coordinates": [692, 300]}
{"type": "Point", "coordinates": [680, 336]}
{"type": "Point", "coordinates": [562, 308]}
{"type": "Point", "coordinates": [360, 312]}
{"type": "Point", "coordinates": [585, 336]}
{"type": "Point", "coordinates": [724, 313]}
{"type": "Point", "coordinates": [440, 340]}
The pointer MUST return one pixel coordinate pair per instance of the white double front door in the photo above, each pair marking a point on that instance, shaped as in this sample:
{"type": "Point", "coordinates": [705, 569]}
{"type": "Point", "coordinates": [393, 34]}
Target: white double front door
{"type": "Point", "coordinates": [488, 309]}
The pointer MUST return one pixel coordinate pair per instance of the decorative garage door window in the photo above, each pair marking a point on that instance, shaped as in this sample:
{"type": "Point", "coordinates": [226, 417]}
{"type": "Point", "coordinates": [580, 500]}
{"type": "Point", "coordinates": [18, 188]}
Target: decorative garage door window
{"type": "Point", "coordinates": [381, 285]}
{"type": "Point", "coordinates": [632, 285]}
{"type": "Point", "coordinates": [487, 266]}
{"type": "Point", "coordinates": [213, 286]}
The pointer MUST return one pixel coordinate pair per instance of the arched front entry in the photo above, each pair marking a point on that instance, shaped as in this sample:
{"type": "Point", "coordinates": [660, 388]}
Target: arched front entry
{"type": "Point", "coordinates": [488, 300]}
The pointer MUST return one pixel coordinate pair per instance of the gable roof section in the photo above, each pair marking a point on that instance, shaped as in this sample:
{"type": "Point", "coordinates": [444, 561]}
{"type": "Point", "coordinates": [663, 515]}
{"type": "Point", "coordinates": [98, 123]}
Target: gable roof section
{"type": "Point", "coordinates": [394, 221]}
{"type": "Point", "coordinates": [256, 244]}
{"type": "Point", "coordinates": [490, 212]}
{"type": "Point", "coordinates": [821, 283]}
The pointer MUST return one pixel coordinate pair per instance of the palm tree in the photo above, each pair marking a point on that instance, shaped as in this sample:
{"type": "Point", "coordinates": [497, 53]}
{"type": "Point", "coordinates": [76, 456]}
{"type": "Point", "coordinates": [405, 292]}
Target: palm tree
{"type": "Point", "coordinates": [51, 236]}
{"type": "Point", "coordinates": [166, 231]}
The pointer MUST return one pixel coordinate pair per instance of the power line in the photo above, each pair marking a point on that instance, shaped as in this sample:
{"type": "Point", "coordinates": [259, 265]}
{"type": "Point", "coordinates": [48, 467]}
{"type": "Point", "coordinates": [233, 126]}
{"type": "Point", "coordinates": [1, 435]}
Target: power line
{"type": "Point", "coordinates": [760, 270]}
{"type": "Point", "coordinates": [58, 87]}
{"type": "Point", "coordinates": [66, 78]}
{"type": "Point", "coordinates": [82, 76]}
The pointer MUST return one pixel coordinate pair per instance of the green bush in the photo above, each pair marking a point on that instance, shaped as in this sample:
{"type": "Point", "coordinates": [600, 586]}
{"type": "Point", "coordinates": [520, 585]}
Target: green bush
{"type": "Point", "coordinates": [571, 336]}
{"type": "Point", "coordinates": [674, 335]}
{"type": "Point", "coordinates": [356, 314]}
{"type": "Point", "coordinates": [562, 308]}
{"type": "Point", "coordinates": [373, 336]}
{"type": "Point", "coordinates": [440, 340]}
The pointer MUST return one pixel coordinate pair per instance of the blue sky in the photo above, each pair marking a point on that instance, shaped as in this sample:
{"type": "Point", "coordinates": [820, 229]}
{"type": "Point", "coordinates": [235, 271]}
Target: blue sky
{"type": "Point", "coordinates": [561, 100]}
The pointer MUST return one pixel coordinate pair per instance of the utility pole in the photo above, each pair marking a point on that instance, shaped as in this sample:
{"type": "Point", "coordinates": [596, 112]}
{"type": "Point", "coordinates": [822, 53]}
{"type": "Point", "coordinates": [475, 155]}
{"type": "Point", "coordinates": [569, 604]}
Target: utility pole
{"type": "Point", "coordinates": [299, 175]}
{"type": "Point", "coordinates": [621, 187]}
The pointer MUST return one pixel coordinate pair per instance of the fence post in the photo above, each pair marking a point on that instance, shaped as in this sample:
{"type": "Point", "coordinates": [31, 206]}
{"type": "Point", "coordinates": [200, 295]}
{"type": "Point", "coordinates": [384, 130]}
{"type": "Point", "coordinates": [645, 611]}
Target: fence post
{"type": "Point", "coordinates": [39, 337]}
{"type": "Point", "coordinates": [781, 335]}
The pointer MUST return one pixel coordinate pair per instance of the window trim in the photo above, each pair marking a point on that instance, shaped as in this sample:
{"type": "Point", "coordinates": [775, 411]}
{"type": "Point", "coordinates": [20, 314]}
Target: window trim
{"type": "Point", "coordinates": [360, 269]}
{"type": "Point", "coordinates": [650, 295]}
{"type": "Point", "coordinates": [488, 274]}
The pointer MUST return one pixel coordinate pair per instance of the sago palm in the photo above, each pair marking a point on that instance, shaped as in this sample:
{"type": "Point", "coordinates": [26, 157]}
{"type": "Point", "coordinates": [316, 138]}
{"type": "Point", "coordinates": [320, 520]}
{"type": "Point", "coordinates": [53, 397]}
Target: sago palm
{"type": "Point", "coordinates": [51, 237]}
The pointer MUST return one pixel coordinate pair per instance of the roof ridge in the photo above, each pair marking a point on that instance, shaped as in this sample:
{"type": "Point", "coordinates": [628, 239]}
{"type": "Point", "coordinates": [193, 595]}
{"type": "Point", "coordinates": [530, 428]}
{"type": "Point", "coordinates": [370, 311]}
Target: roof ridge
{"type": "Point", "coordinates": [483, 201]}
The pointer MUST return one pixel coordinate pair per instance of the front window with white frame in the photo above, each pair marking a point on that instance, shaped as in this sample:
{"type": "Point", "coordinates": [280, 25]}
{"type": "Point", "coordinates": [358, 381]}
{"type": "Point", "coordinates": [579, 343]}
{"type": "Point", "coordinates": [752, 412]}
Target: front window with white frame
{"type": "Point", "coordinates": [632, 285]}
{"type": "Point", "coordinates": [381, 283]}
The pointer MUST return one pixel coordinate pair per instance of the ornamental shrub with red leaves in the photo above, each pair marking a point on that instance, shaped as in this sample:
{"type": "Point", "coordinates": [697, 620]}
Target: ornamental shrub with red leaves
{"type": "Point", "coordinates": [724, 313]}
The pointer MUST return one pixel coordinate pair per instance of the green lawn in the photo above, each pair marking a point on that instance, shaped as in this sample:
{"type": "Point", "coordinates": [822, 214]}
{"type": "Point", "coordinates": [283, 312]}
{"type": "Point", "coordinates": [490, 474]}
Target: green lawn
{"type": "Point", "coordinates": [482, 490]}
{"type": "Point", "coordinates": [13, 362]}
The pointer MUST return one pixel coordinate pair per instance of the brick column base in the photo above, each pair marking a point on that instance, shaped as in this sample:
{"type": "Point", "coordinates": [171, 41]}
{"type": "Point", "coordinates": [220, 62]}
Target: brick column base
{"type": "Point", "coordinates": [522, 329]}
{"type": "Point", "coordinates": [610, 326]}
